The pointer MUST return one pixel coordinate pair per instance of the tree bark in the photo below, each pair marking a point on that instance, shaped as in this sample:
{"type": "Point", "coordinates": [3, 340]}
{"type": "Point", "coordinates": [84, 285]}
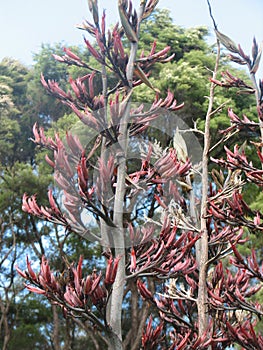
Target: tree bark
{"type": "Point", "coordinates": [56, 341]}
{"type": "Point", "coordinates": [119, 242]}
{"type": "Point", "coordinates": [202, 243]}
{"type": "Point", "coordinates": [4, 307]}
{"type": "Point", "coordinates": [138, 336]}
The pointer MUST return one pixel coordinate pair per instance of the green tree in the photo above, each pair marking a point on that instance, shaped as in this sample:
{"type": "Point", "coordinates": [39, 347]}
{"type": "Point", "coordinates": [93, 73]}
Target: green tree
{"type": "Point", "coordinates": [17, 172]}
{"type": "Point", "coordinates": [188, 74]}
{"type": "Point", "coordinates": [44, 63]}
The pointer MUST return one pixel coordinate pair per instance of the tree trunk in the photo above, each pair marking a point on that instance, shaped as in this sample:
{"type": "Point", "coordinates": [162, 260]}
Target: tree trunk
{"type": "Point", "coordinates": [202, 244]}
{"type": "Point", "coordinates": [4, 324]}
{"type": "Point", "coordinates": [115, 342]}
{"type": "Point", "coordinates": [56, 341]}
{"type": "Point", "coordinates": [119, 242]}
{"type": "Point", "coordinates": [69, 335]}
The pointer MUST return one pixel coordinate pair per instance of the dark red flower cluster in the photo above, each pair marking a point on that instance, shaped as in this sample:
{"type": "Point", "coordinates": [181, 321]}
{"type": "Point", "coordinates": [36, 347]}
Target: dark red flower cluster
{"type": "Point", "coordinates": [52, 213]}
{"type": "Point", "coordinates": [151, 337]}
{"type": "Point", "coordinates": [79, 192]}
{"type": "Point", "coordinates": [231, 291]}
{"type": "Point", "coordinates": [238, 160]}
{"type": "Point", "coordinates": [250, 264]}
{"type": "Point", "coordinates": [167, 255]}
{"type": "Point", "coordinates": [240, 124]}
{"type": "Point", "coordinates": [230, 81]}
{"type": "Point", "coordinates": [70, 290]}
{"type": "Point", "coordinates": [234, 211]}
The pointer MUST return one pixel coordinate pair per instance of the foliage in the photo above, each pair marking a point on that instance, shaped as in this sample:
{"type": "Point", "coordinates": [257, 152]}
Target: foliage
{"type": "Point", "coordinates": [15, 115]}
{"type": "Point", "coordinates": [44, 63]}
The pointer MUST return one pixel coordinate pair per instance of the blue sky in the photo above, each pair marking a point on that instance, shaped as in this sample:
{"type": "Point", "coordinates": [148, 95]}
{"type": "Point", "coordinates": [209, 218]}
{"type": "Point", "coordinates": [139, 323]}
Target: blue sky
{"type": "Point", "coordinates": [25, 25]}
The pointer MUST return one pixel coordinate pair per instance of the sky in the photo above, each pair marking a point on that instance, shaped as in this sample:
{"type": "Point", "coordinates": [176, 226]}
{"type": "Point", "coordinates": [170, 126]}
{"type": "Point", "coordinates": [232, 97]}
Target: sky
{"type": "Point", "coordinates": [25, 25]}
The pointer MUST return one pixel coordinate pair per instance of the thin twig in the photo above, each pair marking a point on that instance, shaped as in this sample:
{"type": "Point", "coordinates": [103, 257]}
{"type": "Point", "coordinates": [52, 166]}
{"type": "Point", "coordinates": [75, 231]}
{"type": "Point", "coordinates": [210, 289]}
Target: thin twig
{"type": "Point", "coordinates": [211, 14]}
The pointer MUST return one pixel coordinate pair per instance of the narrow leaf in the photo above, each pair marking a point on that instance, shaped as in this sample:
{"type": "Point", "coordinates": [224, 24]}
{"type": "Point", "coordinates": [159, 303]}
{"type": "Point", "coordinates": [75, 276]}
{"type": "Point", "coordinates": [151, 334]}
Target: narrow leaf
{"type": "Point", "coordinates": [93, 7]}
{"type": "Point", "coordinates": [256, 62]}
{"type": "Point", "coordinates": [141, 75]}
{"type": "Point", "coordinates": [130, 33]}
{"type": "Point", "coordinates": [180, 146]}
{"type": "Point", "coordinates": [150, 8]}
{"type": "Point", "coordinates": [254, 49]}
{"type": "Point", "coordinates": [227, 42]}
